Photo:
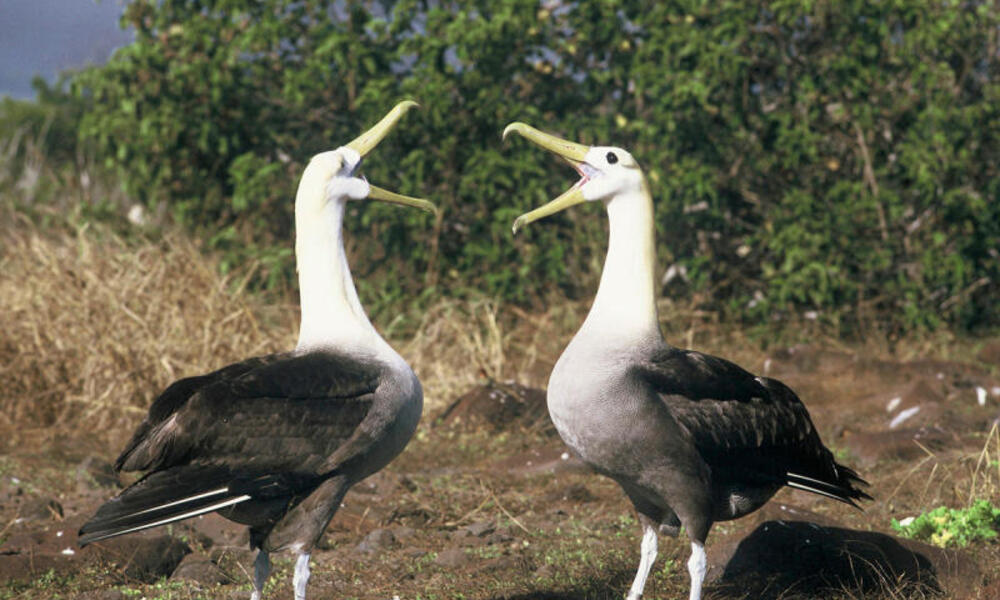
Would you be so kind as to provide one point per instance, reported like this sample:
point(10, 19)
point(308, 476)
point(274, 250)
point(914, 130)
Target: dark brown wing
point(268, 429)
point(746, 428)
point(277, 410)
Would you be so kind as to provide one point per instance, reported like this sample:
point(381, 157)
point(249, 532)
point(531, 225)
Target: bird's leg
point(301, 577)
point(697, 565)
point(261, 569)
point(647, 556)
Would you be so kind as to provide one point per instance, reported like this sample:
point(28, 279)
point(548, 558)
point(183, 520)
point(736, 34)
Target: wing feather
point(279, 410)
point(746, 426)
point(265, 430)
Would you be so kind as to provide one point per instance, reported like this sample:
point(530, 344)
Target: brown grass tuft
point(95, 326)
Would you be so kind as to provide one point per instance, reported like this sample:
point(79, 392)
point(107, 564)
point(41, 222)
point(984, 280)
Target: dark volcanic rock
point(783, 557)
point(499, 406)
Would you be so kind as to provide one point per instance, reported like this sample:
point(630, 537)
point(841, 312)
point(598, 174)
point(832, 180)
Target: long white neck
point(624, 309)
point(332, 316)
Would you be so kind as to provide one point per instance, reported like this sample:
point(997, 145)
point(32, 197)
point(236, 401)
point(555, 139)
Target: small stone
point(378, 539)
point(452, 558)
point(480, 528)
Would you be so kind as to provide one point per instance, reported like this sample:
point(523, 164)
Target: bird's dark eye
point(612, 158)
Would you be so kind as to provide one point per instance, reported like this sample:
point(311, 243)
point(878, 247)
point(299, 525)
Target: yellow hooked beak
point(572, 152)
point(364, 143)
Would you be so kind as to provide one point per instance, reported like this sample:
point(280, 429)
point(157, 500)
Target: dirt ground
point(486, 503)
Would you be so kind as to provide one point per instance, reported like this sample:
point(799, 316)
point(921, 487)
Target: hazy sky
point(45, 37)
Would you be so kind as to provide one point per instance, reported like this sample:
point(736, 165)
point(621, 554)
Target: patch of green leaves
point(945, 526)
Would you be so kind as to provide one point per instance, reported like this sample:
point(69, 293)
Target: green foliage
point(945, 526)
point(830, 157)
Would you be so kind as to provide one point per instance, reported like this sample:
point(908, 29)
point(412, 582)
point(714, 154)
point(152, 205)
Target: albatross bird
point(274, 442)
point(692, 439)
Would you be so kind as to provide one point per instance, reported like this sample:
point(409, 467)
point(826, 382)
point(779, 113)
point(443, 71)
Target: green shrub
point(838, 158)
point(945, 526)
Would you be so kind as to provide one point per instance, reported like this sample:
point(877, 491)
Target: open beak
point(572, 152)
point(364, 143)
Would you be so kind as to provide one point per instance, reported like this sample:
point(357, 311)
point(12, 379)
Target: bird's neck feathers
point(332, 315)
point(625, 306)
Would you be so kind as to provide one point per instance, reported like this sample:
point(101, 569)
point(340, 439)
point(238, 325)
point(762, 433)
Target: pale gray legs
point(301, 577)
point(697, 565)
point(261, 569)
point(647, 557)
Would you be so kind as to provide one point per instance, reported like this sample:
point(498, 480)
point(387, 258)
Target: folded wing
point(264, 431)
point(746, 428)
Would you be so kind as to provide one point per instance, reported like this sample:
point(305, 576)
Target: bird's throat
point(625, 305)
point(332, 315)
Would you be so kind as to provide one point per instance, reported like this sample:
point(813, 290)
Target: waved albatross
point(274, 442)
point(691, 438)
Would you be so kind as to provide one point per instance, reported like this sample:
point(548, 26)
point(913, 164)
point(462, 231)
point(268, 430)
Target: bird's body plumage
point(274, 442)
point(691, 438)
point(677, 426)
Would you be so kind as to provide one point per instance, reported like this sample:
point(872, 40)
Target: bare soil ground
point(486, 503)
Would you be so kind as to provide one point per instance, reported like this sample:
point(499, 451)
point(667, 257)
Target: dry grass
point(94, 326)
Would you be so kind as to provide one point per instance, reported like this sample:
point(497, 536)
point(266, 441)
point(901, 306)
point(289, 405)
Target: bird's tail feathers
point(161, 498)
point(845, 489)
